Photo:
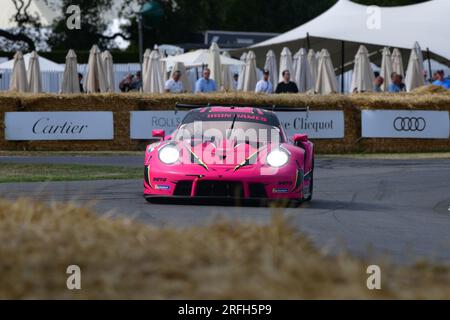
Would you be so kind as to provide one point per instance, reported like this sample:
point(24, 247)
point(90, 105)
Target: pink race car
point(230, 152)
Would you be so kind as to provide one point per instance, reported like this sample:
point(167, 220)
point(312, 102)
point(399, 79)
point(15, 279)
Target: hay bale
point(122, 259)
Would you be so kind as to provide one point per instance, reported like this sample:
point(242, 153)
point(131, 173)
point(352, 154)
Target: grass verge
point(63, 172)
point(121, 259)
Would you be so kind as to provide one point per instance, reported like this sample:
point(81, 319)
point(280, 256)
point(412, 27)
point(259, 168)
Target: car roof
point(223, 113)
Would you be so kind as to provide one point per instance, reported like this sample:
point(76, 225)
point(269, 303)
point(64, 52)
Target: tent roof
point(200, 57)
point(347, 21)
point(45, 64)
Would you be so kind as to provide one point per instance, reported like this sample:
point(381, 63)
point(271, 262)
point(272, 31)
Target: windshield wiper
point(232, 126)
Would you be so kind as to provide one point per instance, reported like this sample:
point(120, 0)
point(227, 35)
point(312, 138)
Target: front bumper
point(223, 185)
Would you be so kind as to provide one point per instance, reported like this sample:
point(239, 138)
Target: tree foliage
point(181, 19)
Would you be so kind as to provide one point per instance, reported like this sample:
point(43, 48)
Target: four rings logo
point(410, 124)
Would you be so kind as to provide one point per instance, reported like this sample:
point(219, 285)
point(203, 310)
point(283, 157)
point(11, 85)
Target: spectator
point(205, 84)
point(126, 84)
point(287, 86)
point(174, 85)
point(264, 85)
point(441, 80)
point(80, 79)
point(396, 85)
point(378, 82)
point(136, 84)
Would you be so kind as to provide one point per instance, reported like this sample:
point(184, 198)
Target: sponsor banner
point(405, 124)
point(316, 124)
point(26, 126)
point(143, 122)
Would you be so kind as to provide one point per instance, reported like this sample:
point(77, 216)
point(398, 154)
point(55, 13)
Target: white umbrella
point(251, 74)
point(240, 85)
point(326, 82)
point(154, 72)
point(227, 75)
point(286, 62)
point(95, 78)
point(386, 69)
point(313, 64)
point(145, 71)
point(214, 64)
point(34, 74)
point(294, 61)
point(18, 81)
point(179, 66)
point(271, 66)
point(414, 74)
point(363, 77)
point(108, 67)
point(303, 76)
point(397, 63)
point(71, 82)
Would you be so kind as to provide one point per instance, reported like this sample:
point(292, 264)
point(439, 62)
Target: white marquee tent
point(45, 64)
point(347, 25)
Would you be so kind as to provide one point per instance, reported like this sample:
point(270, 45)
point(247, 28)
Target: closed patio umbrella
point(227, 75)
point(108, 68)
point(303, 76)
point(386, 69)
point(363, 77)
point(240, 86)
point(313, 64)
point(251, 75)
point(95, 78)
point(34, 74)
point(415, 73)
point(154, 72)
point(215, 65)
point(18, 81)
point(71, 82)
point(397, 63)
point(145, 71)
point(286, 62)
point(271, 66)
point(326, 82)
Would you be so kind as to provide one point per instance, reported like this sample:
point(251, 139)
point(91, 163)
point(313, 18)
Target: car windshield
point(234, 129)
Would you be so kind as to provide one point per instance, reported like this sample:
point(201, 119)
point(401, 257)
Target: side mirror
point(300, 138)
point(159, 134)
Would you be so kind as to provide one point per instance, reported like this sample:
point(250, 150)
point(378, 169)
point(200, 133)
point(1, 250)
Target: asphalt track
point(399, 209)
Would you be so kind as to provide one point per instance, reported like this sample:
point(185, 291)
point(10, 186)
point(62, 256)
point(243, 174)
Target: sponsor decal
point(280, 190)
point(162, 187)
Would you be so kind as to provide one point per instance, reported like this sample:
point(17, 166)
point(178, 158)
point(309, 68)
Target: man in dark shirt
point(287, 86)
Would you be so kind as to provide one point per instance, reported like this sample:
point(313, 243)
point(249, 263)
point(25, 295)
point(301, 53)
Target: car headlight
point(277, 158)
point(169, 154)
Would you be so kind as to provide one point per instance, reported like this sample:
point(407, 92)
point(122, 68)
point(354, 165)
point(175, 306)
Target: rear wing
point(274, 108)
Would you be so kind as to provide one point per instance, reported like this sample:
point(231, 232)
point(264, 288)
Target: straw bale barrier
point(428, 98)
point(123, 259)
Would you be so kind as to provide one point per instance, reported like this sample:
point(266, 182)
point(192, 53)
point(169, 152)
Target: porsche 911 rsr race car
point(227, 152)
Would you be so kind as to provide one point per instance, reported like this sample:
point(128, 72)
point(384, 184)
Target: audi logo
point(410, 124)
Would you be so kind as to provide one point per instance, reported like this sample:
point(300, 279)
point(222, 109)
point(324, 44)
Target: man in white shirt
point(174, 85)
point(264, 85)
